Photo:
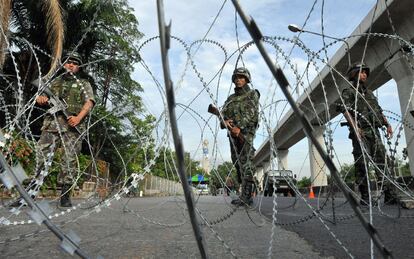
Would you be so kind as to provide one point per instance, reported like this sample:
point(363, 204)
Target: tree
point(218, 176)
point(405, 170)
point(112, 40)
point(165, 164)
point(192, 166)
point(304, 182)
point(40, 22)
point(348, 172)
point(106, 34)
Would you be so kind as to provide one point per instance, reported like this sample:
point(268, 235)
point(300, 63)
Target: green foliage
point(218, 177)
point(58, 162)
point(112, 40)
point(120, 126)
point(348, 173)
point(404, 170)
point(192, 167)
point(304, 182)
point(54, 170)
point(84, 163)
point(21, 150)
point(166, 165)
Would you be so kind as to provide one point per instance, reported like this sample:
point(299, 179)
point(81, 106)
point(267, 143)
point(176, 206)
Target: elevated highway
point(382, 55)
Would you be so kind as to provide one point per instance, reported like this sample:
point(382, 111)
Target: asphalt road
point(159, 228)
point(395, 226)
point(154, 228)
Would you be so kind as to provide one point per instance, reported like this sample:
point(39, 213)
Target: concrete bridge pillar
point(317, 165)
point(259, 176)
point(399, 67)
point(282, 158)
point(266, 167)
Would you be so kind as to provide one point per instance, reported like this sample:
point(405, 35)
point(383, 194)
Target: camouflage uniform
point(369, 119)
point(56, 132)
point(243, 108)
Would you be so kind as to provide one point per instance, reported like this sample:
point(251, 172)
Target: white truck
point(282, 180)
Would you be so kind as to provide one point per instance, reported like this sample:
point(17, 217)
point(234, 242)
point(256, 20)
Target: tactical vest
point(239, 107)
point(70, 90)
point(367, 107)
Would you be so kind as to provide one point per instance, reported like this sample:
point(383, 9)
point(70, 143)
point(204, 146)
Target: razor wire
point(187, 109)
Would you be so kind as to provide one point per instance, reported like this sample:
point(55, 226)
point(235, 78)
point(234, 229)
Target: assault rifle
point(213, 110)
point(56, 104)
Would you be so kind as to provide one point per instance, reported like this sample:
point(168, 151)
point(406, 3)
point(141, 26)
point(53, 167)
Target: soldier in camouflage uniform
point(241, 116)
point(364, 123)
point(57, 130)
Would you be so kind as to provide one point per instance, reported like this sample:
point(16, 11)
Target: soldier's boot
point(246, 195)
point(19, 202)
point(65, 198)
point(390, 197)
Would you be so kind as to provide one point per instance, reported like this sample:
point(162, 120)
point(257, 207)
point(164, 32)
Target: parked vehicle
point(202, 189)
point(220, 191)
point(283, 180)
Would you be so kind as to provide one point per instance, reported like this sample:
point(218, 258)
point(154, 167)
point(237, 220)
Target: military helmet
point(355, 68)
point(73, 55)
point(243, 72)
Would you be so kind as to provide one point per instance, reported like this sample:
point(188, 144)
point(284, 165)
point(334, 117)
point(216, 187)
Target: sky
point(191, 20)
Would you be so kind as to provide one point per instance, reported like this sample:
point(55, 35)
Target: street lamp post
point(295, 28)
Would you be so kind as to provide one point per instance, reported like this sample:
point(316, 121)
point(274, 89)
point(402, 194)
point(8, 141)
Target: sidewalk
point(159, 228)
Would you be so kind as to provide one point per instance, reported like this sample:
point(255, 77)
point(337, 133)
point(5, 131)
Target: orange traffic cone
point(311, 194)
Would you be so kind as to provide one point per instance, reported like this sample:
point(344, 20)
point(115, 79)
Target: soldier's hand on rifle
point(389, 131)
point(229, 124)
point(235, 132)
point(73, 121)
point(42, 100)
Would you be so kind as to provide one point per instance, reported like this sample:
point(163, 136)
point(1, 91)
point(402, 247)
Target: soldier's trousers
point(70, 144)
point(242, 158)
point(375, 149)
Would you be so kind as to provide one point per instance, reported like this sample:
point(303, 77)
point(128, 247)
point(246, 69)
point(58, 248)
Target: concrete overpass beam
point(400, 68)
point(317, 165)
